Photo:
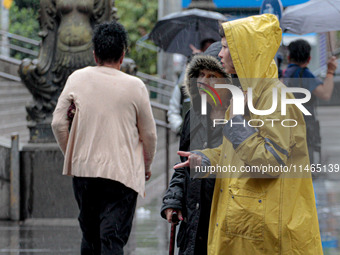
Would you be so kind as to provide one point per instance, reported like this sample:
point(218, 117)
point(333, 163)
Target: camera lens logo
point(204, 96)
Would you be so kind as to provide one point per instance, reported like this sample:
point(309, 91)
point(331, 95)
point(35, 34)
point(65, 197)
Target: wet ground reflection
point(150, 234)
point(327, 194)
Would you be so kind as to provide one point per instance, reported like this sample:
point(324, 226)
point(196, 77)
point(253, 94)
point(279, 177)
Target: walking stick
point(174, 219)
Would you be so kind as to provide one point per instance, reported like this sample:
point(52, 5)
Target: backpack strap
point(300, 75)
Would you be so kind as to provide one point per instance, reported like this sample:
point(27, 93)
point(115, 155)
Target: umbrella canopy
point(315, 16)
point(174, 32)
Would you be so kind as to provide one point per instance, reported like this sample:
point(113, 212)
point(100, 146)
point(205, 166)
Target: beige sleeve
point(60, 122)
point(146, 128)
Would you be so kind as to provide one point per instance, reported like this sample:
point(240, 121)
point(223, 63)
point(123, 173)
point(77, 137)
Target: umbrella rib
point(335, 7)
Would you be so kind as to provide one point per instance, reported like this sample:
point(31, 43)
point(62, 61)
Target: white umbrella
point(315, 16)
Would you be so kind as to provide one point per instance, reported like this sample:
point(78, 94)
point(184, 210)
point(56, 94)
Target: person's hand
point(168, 213)
point(147, 175)
point(332, 65)
point(193, 160)
point(194, 49)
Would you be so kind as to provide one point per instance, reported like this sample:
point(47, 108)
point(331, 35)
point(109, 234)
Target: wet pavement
point(60, 238)
point(150, 234)
point(327, 186)
point(328, 207)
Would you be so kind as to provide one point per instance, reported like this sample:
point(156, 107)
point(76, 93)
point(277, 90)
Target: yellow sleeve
point(213, 154)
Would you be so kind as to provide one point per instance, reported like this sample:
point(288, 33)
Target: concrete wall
point(45, 192)
point(4, 179)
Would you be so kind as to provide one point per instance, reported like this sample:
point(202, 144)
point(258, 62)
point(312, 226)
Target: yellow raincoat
point(262, 215)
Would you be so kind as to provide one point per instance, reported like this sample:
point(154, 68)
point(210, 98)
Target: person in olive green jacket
point(260, 212)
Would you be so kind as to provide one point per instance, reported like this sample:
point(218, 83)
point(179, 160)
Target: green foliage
point(24, 22)
point(33, 4)
point(139, 17)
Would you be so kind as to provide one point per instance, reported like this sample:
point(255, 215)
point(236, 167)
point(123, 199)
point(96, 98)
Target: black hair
point(299, 51)
point(109, 41)
point(206, 43)
point(221, 31)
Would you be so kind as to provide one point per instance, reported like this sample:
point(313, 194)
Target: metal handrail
point(141, 42)
point(9, 76)
point(23, 50)
point(166, 125)
point(20, 38)
point(159, 91)
point(156, 79)
point(10, 60)
point(160, 106)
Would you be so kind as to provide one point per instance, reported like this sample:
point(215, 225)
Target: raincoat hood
point(253, 43)
point(208, 60)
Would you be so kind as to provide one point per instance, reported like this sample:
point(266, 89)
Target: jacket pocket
point(245, 213)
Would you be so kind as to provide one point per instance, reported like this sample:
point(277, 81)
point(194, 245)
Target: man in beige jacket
point(111, 143)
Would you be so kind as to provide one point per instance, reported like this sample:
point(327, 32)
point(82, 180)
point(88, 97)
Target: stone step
point(13, 87)
point(14, 103)
point(17, 127)
point(9, 65)
point(23, 135)
point(13, 98)
point(5, 84)
point(13, 93)
point(5, 112)
point(15, 116)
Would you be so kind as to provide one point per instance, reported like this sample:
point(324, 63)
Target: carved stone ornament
point(66, 31)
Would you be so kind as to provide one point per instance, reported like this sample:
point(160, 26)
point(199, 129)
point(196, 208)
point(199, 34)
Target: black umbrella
point(176, 31)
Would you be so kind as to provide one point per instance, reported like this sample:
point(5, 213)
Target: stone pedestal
point(41, 132)
point(45, 192)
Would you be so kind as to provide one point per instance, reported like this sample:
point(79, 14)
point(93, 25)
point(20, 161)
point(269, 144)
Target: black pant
point(106, 213)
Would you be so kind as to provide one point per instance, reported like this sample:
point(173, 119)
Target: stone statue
point(66, 32)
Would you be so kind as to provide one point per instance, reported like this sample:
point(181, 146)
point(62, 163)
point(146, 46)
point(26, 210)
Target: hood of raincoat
point(208, 60)
point(253, 43)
